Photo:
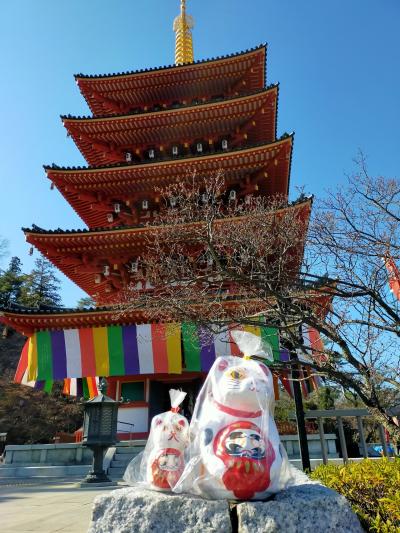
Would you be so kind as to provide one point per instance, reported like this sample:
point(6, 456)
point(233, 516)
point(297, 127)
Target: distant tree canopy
point(27, 415)
point(85, 303)
point(39, 287)
point(3, 248)
point(11, 281)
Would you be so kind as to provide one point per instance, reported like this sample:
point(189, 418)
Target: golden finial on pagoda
point(183, 25)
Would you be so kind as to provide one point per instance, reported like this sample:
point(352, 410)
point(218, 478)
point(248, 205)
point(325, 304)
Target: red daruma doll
point(161, 464)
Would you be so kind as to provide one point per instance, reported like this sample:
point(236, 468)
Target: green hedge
point(373, 489)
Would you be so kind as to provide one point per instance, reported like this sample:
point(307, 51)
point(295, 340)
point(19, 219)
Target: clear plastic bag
point(235, 450)
point(252, 345)
point(161, 463)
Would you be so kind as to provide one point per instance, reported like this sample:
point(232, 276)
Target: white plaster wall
point(134, 415)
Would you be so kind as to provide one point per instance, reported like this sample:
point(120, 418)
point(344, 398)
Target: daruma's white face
point(241, 384)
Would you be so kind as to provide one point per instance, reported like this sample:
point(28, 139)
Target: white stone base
point(138, 510)
point(305, 506)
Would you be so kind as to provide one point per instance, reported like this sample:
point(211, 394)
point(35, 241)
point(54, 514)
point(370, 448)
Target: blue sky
point(337, 63)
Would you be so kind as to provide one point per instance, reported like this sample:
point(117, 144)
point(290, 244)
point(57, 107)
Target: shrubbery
point(373, 489)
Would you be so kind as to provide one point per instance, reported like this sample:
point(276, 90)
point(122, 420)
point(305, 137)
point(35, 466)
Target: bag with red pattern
point(161, 464)
point(235, 450)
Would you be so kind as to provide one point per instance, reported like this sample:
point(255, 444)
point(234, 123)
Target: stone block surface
point(306, 507)
point(136, 510)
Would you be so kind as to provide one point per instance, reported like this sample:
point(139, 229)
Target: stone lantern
point(99, 431)
point(3, 438)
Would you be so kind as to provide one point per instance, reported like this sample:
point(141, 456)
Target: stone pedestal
point(310, 507)
point(304, 506)
point(136, 510)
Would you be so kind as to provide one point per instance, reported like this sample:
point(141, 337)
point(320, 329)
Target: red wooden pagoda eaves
point(242, 120)
point(93, 192)
point(100, 261)
point(230, 75)
point(27, 321)
point(151, 129)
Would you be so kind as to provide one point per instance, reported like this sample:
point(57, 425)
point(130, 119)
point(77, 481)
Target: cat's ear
point(222, 364)
point(265, 369)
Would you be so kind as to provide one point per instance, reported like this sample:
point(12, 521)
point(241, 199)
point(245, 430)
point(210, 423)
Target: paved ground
point(46, 507)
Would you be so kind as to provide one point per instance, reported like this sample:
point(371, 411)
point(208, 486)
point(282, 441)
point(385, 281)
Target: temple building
point(147, 129)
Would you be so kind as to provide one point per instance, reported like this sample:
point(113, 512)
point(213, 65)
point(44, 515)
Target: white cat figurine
point(169, 437)
point(235, 450)
point(161, 463)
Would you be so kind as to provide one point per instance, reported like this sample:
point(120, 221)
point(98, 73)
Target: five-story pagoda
point(148, 129)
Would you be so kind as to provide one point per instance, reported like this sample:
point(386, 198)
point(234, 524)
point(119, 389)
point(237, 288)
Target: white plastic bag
point(161, 463)
point(235, 450)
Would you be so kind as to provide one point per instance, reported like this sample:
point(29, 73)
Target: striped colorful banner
point(86, 388)
point(80, 387)
point(201, 346)
point(70, 355)
point(105, 351)
point(22, 374)
point(75, 356)
point(268, 335)
point(132, 350)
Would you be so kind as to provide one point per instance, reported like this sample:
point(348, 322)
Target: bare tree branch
point(220, 260)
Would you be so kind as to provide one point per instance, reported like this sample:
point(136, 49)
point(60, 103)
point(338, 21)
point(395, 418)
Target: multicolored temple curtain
point(77, 355)
point(81, 387)
point(105, 351)
point(22, 375)
point(201, 346)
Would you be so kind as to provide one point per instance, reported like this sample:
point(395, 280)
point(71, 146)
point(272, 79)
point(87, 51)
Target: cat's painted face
point(241, 384)
point(170, 430)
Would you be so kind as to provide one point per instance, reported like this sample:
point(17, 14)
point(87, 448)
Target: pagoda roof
point(81, 186)
point(104, 140)
point(82, 254)
point(113, 93)
point(27, 320)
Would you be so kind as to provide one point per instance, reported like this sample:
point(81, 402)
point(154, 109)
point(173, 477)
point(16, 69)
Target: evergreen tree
point(3, 247)
point(86, 302)
point(11, 282)
point(41, 286)
point(327, 398)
